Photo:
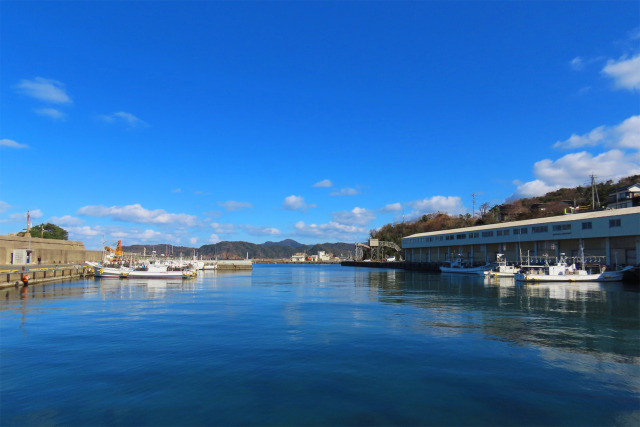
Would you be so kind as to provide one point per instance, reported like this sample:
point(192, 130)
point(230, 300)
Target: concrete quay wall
point(36, 276)
point(235, 264)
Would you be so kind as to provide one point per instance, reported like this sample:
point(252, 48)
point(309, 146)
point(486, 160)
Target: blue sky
point(194, 122)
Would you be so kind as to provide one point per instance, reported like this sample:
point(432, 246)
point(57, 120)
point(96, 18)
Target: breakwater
point(234, 264)
point(16, 277)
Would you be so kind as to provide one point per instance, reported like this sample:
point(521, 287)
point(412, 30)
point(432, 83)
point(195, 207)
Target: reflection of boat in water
point(564, 272)
point(458, 266)
point(501, 268)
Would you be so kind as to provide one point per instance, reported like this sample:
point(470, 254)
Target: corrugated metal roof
point(547, 220)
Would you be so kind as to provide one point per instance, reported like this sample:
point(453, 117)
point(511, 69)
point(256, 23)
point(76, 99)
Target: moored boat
point(108, 272)
point(458, 266)
point(564, 272)
point(158, 271)
point(501, 268)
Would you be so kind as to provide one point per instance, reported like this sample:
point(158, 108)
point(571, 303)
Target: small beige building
point(298, 257)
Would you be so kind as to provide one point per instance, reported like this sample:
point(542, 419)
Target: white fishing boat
point(108, 272)
point(565, 272)
point(159, 271)
point(501, 268)
point(458, 266)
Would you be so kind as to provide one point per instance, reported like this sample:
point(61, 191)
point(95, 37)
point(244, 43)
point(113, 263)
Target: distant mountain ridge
point(286, 242)
point(240, 250)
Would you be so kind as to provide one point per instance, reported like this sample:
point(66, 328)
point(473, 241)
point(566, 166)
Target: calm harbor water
point(319, 345)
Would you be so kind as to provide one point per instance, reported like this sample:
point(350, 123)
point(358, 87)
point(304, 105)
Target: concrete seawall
point(234, 264)
point(43, 275)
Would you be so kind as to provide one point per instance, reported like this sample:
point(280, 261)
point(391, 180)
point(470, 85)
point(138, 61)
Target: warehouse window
point(587, 225)
point(562, 227)
point(615, 223)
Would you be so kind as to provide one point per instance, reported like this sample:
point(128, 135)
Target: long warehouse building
point(613, 234)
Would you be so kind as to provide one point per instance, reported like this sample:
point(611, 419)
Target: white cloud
point(345, 192)
point(261, 231)
point(136, 213)
point(35, 214)
point(296, 203)
point(81, 232)
point(148, 235)
point(232, 205)
point(332, 230)
point(573, 170)
point(393, 207)
point(625, 72)
point(4, 206)
point(12, 144)
point(66, 220)
point(50, 112)
point(577, 63)
point(177, 190)
point(627, 133)
point(223, 228)
point(323, 183)
point(357, 216)
point(623, 135)
point(214, 238)
point(450, 204)
point(121, 117)
point(44, 90)
point(193, 240)
point(592, 138)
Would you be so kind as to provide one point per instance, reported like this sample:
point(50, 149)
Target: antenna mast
point(594, 194)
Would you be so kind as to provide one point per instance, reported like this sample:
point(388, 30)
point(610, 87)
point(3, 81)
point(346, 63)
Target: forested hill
point(240, 250)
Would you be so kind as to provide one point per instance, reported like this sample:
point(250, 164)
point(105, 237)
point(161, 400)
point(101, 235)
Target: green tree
point(49, 231)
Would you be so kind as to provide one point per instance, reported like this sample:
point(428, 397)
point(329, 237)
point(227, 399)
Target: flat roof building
point(613, 234)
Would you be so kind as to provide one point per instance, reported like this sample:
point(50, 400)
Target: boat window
point(615, 223)
point(587, 225)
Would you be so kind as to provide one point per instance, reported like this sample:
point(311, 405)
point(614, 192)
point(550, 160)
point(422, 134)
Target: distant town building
point(624, 197)
point(298, 257)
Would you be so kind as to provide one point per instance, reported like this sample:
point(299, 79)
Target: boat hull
point(462, 270)
point(608, 276)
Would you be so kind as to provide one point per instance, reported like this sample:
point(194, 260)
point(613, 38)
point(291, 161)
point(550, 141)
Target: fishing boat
point(108, 272)
point(158, 271)
point(458, 266)
point(562, 271)
point(501, 268)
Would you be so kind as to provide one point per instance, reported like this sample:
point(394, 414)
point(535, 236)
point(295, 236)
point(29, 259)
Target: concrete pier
point(14, 276)
point(234, 264)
